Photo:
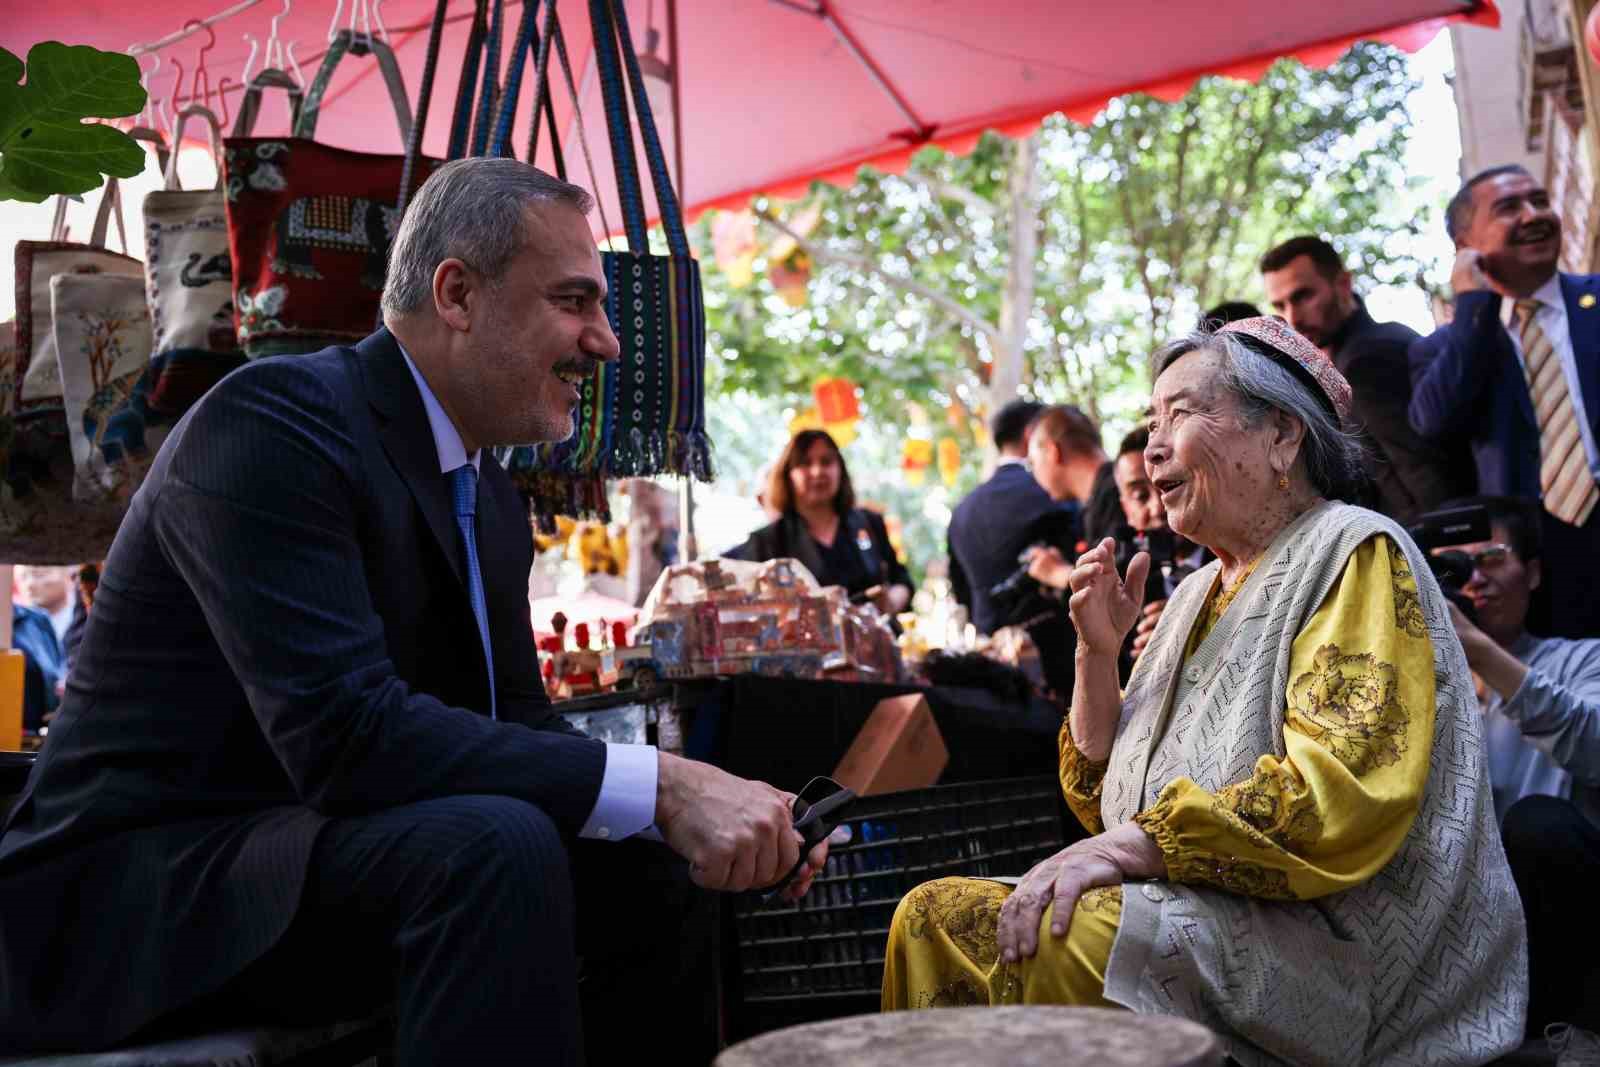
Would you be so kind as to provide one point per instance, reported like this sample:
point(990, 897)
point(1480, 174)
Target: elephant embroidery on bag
point(341, 224)
point(198, 275)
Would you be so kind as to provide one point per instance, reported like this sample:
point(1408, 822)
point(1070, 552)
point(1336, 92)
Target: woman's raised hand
point(1105, 607)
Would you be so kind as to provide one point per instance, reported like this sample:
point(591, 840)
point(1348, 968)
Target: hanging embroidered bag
point(644, 414)
point(103, 339)
point(188, 282)
point(39, 522)
point(309, 225)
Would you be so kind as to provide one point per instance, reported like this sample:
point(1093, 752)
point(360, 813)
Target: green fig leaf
point(45, 146)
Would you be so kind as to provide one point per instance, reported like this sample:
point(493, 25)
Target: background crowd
point(1499, 408)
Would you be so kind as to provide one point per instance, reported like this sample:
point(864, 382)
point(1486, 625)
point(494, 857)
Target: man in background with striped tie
point(1516, 377)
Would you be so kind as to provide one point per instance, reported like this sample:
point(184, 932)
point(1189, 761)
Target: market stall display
point(732, 617)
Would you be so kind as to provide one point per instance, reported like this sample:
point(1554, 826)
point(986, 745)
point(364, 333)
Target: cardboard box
point(11, 672)
point(899, 747)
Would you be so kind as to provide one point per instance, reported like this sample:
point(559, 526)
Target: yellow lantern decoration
point(789, 277)
point(949, 460)
point(733, 240)
point(809, 419)
point(836, 400)
point(916, 455)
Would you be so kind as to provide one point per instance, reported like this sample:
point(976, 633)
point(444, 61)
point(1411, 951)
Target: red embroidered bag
point(309, 225)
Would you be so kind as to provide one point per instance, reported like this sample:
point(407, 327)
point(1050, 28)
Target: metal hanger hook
point(249, 64)
point(202, 76)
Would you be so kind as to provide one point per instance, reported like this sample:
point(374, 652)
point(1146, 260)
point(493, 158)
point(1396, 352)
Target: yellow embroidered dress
point(1325, 816)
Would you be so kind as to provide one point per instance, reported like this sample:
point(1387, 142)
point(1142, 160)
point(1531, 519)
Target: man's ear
point(1535, 572)
point(454, 291)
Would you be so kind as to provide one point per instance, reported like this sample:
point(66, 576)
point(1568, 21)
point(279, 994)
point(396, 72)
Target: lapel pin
point(1586, 301)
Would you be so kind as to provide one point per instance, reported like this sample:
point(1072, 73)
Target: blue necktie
point(464, 487)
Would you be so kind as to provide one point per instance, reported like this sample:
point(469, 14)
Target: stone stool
point(978, 1037)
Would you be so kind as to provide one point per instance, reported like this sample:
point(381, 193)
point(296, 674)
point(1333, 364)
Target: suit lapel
point(408, 439)
point(1583, 328)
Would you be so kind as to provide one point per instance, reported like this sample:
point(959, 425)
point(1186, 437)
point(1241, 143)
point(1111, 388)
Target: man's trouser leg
point(1555, 857)
point(459, 911)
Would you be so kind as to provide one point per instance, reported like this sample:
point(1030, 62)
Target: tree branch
point(949, 306)
point(943, 190)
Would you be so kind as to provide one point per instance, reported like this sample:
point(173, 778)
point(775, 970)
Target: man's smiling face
point(538, 332)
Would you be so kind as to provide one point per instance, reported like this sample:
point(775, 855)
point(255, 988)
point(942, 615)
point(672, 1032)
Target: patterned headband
point(1309, 362)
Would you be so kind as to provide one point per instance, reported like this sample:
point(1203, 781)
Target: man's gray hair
point(472, 210)
point(1335, 457)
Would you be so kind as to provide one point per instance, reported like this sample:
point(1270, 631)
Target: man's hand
point(1110, 858)
point(1047, 566)
point(735, 833)
point(1148, 617)
point(1473, 640)
point(801, 885)
point(1468, 275)
point(1499, 669)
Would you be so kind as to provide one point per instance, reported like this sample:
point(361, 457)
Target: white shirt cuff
point(627, 801)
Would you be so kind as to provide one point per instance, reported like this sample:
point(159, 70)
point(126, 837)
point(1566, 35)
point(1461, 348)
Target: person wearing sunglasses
point(1541, 705)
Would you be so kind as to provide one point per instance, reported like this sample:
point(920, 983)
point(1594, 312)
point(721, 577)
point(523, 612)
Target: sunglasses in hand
point(818, 809)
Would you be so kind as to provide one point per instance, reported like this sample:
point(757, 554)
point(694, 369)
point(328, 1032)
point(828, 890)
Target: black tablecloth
point(786, 731)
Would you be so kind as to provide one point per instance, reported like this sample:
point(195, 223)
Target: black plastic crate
point(832, 943)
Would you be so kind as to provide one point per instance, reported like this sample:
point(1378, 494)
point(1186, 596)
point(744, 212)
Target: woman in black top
point(839, 543)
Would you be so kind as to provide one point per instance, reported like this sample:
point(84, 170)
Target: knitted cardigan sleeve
point(1357, 732)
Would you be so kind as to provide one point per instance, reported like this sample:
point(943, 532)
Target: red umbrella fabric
point(776, 93)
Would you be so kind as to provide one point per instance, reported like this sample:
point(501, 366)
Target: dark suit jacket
point(990, 528)
point(788, 537)
point(281, 637)
point(1411, 476)
point(1469, 391)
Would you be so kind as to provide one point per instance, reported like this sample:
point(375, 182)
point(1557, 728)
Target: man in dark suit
point(305, 765)
point(1308, 286)
point(1515, 378)
point(990, 529)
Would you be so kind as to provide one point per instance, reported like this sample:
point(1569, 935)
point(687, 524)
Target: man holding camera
point(992, 527)
point(1541, 700)
point(1515, 376)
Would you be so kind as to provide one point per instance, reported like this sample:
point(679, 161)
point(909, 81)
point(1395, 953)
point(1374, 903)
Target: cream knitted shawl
point(1425, 963)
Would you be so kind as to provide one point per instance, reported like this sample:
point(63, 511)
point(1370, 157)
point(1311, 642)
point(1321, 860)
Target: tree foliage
point(1144, 218)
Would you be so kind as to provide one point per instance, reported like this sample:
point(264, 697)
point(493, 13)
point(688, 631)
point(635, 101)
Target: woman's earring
point(1283, 482)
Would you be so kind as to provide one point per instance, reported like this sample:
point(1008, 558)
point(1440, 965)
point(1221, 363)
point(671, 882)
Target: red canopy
point(776, 93)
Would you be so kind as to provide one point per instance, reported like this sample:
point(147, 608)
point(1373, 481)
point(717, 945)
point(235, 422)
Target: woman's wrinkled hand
point(1104, 607)
point(1110, 858)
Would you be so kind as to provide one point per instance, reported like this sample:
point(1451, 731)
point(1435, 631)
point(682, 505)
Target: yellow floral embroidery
point(1232, 874)
point(1407, 603)
point(966, 910)
point(1081, 782)
point(962, 991)
point(1102, 900)
point(1224, 872)
point(1350, 705)
point(1277, 804)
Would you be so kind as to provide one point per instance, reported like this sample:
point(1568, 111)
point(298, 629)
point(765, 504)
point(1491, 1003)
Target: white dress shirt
point(1552, 319)
point(61, 620)
point(627, 801)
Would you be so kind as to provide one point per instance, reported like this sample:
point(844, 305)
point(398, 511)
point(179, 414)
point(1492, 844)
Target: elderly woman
point(1294, 842)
